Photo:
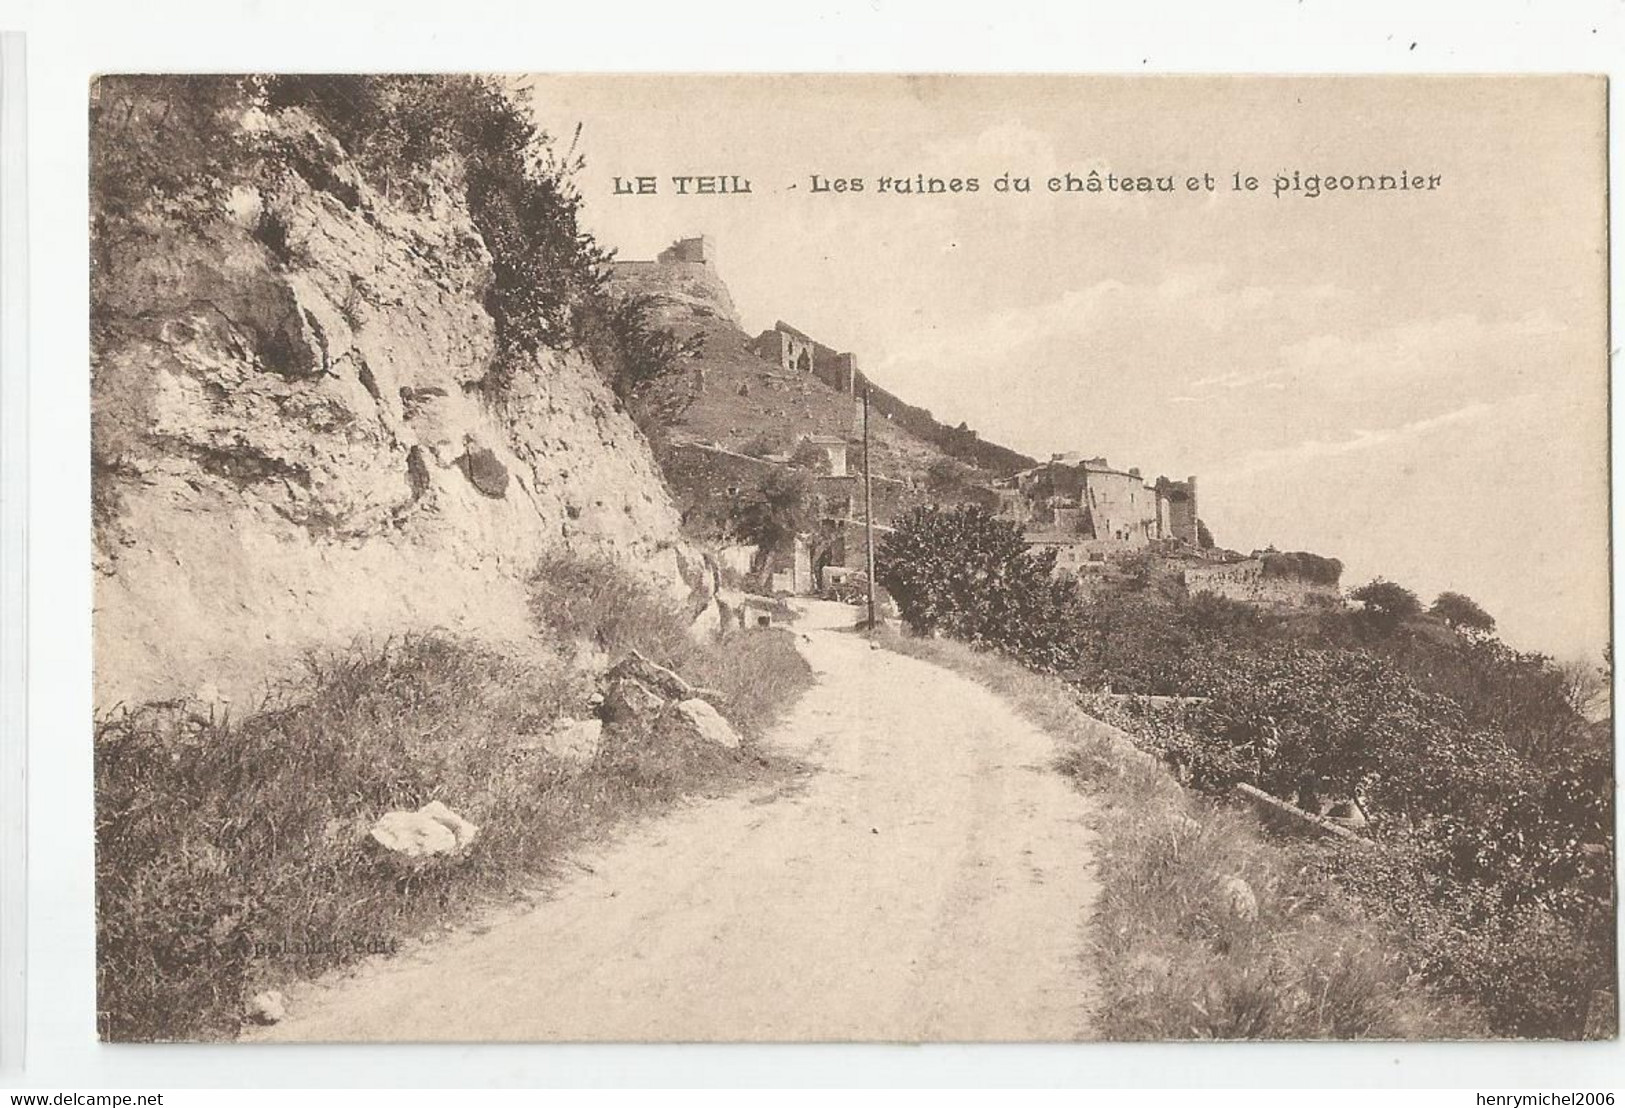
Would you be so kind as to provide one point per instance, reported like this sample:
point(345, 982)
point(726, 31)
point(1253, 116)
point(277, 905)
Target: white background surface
point(69, 42)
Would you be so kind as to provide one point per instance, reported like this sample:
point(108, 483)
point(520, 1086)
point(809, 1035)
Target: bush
point(969, 575)
point(1303, 566)
point(810, 457)
point(1532, 972)
point(1176, 960)
point(590, 598)
point(770, 514)
point(765, 443)
point(1461, 613)
point(1387, 604)
point(1475, 763)
point(233, 852)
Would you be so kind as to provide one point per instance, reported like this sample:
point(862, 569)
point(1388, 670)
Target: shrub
point(591, 598)
point(765, 443)
point(969, 575)
point(1175, 959)
point(1304, 566)
point(777, 508)
point(233, 851)
point(1461, 613)
point(810, 457)
point(1385, 603)
point(1531, 971)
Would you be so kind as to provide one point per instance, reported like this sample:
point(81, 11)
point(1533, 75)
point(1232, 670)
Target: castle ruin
point(794, 352)
point(1086, 509)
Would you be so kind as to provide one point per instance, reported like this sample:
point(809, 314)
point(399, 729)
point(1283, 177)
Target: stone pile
point(640, 693)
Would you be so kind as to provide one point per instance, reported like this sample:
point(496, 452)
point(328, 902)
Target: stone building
point(834, 450)
point(795, 352)
point(1087, 509)
point(692, 250)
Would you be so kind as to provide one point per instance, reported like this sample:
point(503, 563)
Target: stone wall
point(707, 481)
point(1247, 581)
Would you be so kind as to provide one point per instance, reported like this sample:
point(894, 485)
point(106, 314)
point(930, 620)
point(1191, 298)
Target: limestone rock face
point(431, 831)
point(699, 719)
point(295, 442)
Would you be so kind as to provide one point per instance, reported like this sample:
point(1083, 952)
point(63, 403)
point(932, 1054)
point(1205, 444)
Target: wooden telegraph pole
point(868, 513)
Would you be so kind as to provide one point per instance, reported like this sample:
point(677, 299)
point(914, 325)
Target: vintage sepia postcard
point(851, 558)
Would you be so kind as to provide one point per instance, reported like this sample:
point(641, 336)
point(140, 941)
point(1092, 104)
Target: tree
point(1387, 603)
point(1461, 613)
point(776, 510)
point(946, 475)
point(965, 573)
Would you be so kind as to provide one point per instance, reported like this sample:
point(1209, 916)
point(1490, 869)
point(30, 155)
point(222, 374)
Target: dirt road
point(929, 879)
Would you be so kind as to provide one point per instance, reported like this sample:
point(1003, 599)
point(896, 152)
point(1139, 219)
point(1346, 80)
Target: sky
point(1414, 381)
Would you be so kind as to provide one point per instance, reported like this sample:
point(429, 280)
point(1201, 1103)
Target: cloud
point(1361, 439)
point(1458, 343)
point(1114, 317)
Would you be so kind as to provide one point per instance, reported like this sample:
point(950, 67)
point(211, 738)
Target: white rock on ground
point(771, 914)
point(432, 830)
point(575, 740)
point(1239, 897)
point(705, 722)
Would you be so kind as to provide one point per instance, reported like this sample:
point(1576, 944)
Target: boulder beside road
point(434, 830)
point(700, 720)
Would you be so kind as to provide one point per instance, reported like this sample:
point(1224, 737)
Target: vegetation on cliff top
point(165, 151)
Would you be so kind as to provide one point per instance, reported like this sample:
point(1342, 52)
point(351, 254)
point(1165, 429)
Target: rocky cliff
point(295, 443)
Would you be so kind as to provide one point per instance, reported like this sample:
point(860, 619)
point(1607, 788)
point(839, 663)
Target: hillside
point(736, 398)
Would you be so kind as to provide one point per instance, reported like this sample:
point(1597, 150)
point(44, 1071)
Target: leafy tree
point(776, 510)
point(1386, 603)
point(1304, 566)
point(945, 475)
point(967, 574)
point(1461, 613)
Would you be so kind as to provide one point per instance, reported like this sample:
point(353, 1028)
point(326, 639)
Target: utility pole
point(868, 513)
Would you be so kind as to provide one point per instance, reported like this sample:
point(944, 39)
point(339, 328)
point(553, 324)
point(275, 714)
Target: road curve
point(928, 880)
